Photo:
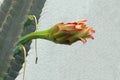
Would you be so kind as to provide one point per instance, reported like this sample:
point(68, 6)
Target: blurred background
point(98, 59)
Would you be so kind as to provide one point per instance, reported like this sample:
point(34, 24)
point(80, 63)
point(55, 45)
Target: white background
point(98, 59)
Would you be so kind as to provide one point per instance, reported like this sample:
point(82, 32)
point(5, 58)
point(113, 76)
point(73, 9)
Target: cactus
point(12, 28)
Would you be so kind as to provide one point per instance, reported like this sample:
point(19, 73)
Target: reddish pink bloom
point(71, 32)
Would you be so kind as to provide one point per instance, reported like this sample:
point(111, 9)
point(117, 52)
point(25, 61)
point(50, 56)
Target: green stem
point(34, 35)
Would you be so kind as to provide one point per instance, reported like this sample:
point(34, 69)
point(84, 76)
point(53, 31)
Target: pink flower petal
point(83, 41)
point(92, 37)
point(82, 21)
point(78, 27)
point(73, 27)
point(72, 23)
point(91, 31)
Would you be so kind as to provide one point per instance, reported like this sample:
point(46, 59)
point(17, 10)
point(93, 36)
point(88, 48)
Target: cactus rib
point(12, 28)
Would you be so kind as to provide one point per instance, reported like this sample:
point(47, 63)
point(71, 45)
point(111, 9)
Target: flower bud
point(63, 33)
point(70, 32)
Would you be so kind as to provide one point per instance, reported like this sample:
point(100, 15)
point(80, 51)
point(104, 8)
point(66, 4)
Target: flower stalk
point(34, 35)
